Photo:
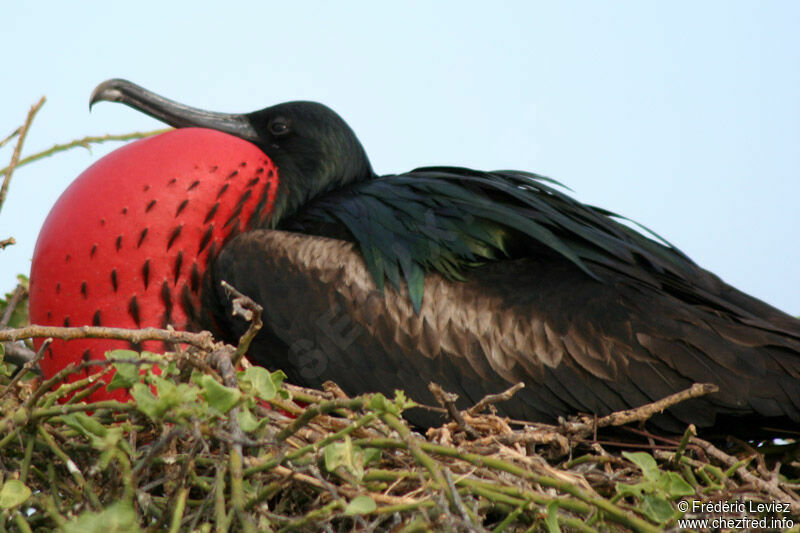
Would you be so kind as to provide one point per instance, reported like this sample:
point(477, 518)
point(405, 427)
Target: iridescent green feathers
point(452, 219)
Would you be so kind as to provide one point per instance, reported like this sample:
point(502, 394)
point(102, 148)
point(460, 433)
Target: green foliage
point(657, 489)
point(194, 452)
point(349, 457)
point(13, 493)
point(119, 517)
point(360, 505)
point(378, 402)
point(258, 381)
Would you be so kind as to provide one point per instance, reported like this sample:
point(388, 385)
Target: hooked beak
point(171, 112)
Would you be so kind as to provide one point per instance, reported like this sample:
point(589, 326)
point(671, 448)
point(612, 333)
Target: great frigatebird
point(474, 280)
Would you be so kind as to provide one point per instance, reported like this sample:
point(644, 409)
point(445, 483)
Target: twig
point(9, 137)
point(202, 340)
point(312, 412)
point(84, 143)
point(644, 412)
point(157, 447)
point(7, 242)
point(495, 398)
point(556, 440)
point(223, 360)
point(27, 366)
point(618, 514)
point(23, 132)
point(71, 467)
point(458, 503)
point(19, 293)
point(177, 513)
point(448, 401)
point(746, 476)
point(17, 354)
point(423, 459)
point(245, 307)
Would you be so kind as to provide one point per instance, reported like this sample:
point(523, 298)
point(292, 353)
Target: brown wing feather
point(578, 344)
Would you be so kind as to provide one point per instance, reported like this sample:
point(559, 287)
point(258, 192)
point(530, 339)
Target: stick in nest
point(643, 412)
point(448, 401)
point(202, 340)
point(27, 366)
point(246, 308)
point(495, 398)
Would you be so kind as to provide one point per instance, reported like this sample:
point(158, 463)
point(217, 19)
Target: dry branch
point(202, 340)
point(23, 132)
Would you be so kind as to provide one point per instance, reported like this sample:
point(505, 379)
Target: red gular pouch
point(129, 242)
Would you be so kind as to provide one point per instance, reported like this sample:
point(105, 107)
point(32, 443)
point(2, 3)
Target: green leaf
point(378, 403)
point(360, 505)
point(248, 421)
point(173, 394)
point(674, 485)
point(646, 463)
point(145, 400)
point(372, 456)
point(169, 397)
point(117, 518)
point(13, 493)
point(123, 353)
point(126, 373)
point(344, 455)
point(259, 380)
point(402, 402)
point(338, 454)
point(218, 395)
point(657, 508)
point(277, 378)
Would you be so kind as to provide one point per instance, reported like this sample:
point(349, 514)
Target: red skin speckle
point(132, 193)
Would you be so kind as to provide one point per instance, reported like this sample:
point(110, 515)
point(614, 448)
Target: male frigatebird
point(473, 280)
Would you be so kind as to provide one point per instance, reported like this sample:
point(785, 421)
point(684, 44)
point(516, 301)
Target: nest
point(209, 442)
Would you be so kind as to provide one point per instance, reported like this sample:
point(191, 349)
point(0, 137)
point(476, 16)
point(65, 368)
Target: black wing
point(450, 220)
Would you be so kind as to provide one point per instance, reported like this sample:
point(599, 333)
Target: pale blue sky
point(684, 116)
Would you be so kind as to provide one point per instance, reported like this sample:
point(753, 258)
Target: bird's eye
point(279, 126)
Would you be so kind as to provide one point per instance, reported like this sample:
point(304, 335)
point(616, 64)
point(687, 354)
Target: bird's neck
point(298, 187)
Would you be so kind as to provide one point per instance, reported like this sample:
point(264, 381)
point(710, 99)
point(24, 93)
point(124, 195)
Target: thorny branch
point(23, 132)
point(85, 142)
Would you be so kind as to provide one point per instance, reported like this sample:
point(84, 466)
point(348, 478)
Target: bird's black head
point(313, 147)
